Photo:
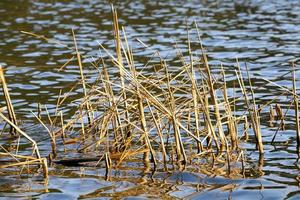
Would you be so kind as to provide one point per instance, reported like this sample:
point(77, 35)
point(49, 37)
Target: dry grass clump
point(170, 117)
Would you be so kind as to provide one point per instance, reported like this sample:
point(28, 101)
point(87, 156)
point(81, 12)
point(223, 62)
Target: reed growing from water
point(9, 105)
point(296, 107)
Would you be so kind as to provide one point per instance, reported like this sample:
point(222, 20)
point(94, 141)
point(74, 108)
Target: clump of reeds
point(14, 159)
point(157, 117)
point(170, 117)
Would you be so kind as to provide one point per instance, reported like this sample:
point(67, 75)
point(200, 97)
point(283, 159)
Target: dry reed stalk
point(28, 162)
point(287, 90)
point(253, 114)
point(147, 142)
point(246, 127)
point(189, 118)
point(296, 107)
point(15, 157)
point(271, 116)
point(112, 100)
point(209, 133)
point(63, 134)
point(88, 107)
point(181, 156)
point(243, 163)
point(212, 94)
point(228, 159)
point(9, 105)
point(83, 135)
point(210, 128)
point(231, 122)
point(118, 44)
point(107, 165)
point(194, 92)
point(51, 134)
point(213, 98)
point(261, 164)
point(159, 132)
point(39, 110)
point(57, 102)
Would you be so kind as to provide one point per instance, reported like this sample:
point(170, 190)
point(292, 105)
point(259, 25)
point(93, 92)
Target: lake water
point(266, 34)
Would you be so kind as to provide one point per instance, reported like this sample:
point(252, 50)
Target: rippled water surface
point(264, 33)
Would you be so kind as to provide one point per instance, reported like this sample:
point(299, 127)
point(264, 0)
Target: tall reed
point(9, 105)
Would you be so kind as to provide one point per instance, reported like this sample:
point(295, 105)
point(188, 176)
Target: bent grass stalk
point(35, 149)
point(12, 121)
